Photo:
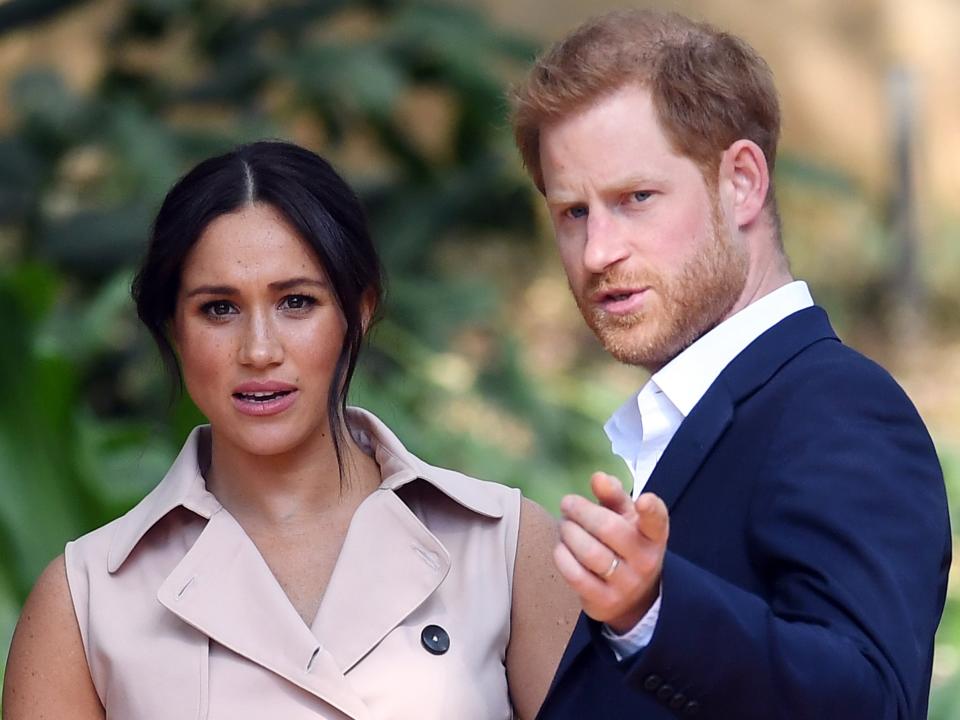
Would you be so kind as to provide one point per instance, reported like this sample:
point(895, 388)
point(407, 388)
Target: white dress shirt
point(643, 426)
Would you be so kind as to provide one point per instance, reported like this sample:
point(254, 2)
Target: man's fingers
point(610, 493)
point(586, 549)
point(612, 562)
point(607, 526)
point(582, 581)
point(653, 520)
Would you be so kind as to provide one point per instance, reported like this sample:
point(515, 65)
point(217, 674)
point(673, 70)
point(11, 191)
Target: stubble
point(684, 305)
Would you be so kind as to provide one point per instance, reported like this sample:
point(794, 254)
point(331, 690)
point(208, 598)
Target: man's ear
point(743, 169)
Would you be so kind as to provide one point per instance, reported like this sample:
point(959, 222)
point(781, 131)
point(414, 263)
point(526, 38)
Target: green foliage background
point(407, 98)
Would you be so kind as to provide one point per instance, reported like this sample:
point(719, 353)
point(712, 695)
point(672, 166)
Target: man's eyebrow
point(279, 285)
point(627, 183)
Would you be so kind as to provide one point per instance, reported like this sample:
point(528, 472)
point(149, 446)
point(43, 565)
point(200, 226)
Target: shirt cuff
point(637, 637)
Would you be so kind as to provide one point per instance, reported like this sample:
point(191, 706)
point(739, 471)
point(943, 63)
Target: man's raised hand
point(611, 552)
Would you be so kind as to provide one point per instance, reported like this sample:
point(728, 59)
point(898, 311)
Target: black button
point(435, 639)
point(677, 701)
point(652, 682)
point(665, 692)
point(691, 709)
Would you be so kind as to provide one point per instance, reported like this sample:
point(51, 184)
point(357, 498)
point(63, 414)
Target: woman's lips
point(263, 402)
point(622, 302)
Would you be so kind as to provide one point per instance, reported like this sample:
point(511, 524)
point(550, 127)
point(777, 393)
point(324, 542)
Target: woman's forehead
point(253, 244)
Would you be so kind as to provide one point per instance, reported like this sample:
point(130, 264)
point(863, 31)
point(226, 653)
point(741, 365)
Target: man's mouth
point(621, 301)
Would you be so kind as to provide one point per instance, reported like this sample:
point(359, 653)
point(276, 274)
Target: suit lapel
point(389, 565)
point(691, 444)
point(224, 588)
point(712, 415)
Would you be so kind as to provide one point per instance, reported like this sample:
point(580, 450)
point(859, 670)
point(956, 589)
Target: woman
point(296, 561)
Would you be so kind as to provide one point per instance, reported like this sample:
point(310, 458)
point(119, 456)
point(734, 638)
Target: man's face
point(645, 242)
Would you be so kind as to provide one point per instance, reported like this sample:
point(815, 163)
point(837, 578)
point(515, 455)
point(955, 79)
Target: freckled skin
point(261, 338)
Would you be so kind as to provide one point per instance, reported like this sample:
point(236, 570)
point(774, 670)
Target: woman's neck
point(284, 489)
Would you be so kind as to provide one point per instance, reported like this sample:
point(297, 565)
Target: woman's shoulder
point(47, 671)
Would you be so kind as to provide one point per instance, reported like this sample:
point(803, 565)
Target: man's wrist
point(635, 638)
point(625, 623)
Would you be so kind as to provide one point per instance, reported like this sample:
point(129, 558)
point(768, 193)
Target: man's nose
point(260, 346)
point(606, 243)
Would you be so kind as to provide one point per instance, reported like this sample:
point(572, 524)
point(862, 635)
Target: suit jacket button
point(665, 692)
point(677, 701)
point(435, 639)
point(652, 682)
point(691, 708)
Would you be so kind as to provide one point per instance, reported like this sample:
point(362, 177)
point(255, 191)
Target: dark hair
point(312, 197)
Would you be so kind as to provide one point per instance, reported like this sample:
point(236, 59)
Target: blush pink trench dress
point(181, 617)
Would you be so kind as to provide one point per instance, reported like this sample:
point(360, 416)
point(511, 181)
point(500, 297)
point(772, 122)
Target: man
point(788, 557)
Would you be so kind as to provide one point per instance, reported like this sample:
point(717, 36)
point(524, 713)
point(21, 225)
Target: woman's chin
point(267, 441)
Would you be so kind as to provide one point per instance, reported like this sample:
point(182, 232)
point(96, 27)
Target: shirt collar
point(686, 378)
point(184, 486)
point(625, 427)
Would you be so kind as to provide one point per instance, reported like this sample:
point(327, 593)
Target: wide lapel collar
point(183, 485)
point(390, 563)
point(398, 466)
point(750, 370)
point(224, 588)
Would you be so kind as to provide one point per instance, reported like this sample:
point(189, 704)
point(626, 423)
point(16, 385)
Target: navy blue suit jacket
point(809, 545)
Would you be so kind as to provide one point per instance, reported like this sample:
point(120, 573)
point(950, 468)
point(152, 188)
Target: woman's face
point(258, 331)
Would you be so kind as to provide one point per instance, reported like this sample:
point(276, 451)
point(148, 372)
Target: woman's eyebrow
point(212, 290)
point(279, 285)
point(293, 282)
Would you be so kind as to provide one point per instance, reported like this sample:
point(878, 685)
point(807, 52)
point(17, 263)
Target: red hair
point(709, 88)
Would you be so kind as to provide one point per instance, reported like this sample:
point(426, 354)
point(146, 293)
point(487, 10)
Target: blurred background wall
point(480, 361)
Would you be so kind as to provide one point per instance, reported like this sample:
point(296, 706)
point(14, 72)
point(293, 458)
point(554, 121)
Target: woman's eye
point(218, 308)
point(297, 302)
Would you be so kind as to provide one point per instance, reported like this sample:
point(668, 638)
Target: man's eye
point(641, 195)
point(297, 302)
point(577, 212)
point(218, 308)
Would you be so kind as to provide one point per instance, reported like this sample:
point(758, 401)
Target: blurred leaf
point(36, 475)
point(795, 169)
point(21, 172)
point(355, 78)
point(46, 104)
point(96, 243)
point(122, 460)
point(102, 324)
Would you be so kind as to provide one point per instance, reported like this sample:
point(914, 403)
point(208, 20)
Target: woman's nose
point(260, 346)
